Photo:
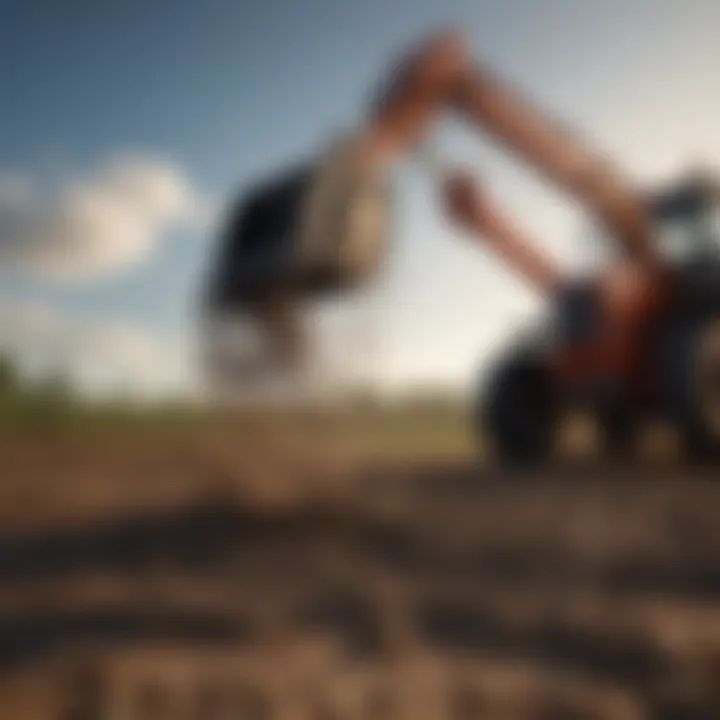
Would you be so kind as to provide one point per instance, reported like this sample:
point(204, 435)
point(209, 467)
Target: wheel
point(691, 385)
point(515, 409)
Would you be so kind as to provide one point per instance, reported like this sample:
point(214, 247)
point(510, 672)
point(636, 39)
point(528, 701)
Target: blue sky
point(210, 94)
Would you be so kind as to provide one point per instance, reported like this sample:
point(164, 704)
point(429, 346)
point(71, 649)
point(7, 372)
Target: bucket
point(315, 230)
point(318, 231)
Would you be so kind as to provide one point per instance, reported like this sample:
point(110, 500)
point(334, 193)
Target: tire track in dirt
point(591, 582)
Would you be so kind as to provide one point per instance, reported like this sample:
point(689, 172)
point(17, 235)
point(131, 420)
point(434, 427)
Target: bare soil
point(182, 580)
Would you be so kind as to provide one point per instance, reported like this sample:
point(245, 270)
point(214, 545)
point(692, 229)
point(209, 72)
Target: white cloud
point(112, 357)
point(109, 220)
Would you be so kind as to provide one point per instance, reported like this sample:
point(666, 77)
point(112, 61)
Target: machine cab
point(687, 218)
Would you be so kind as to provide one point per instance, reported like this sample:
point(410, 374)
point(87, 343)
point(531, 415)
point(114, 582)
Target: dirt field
point(178, 579)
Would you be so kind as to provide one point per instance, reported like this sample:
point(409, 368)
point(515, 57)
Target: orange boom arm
point(439, 75)
point(467, 205)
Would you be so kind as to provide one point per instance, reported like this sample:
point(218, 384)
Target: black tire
point(514, 410)
point(687, 400)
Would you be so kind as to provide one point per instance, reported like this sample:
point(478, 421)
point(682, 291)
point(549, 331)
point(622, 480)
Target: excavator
point(632, 348)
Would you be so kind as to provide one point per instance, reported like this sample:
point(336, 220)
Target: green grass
point(417, 428)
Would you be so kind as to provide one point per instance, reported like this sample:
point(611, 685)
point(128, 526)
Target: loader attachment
point(316, 229)
point(309, 233)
